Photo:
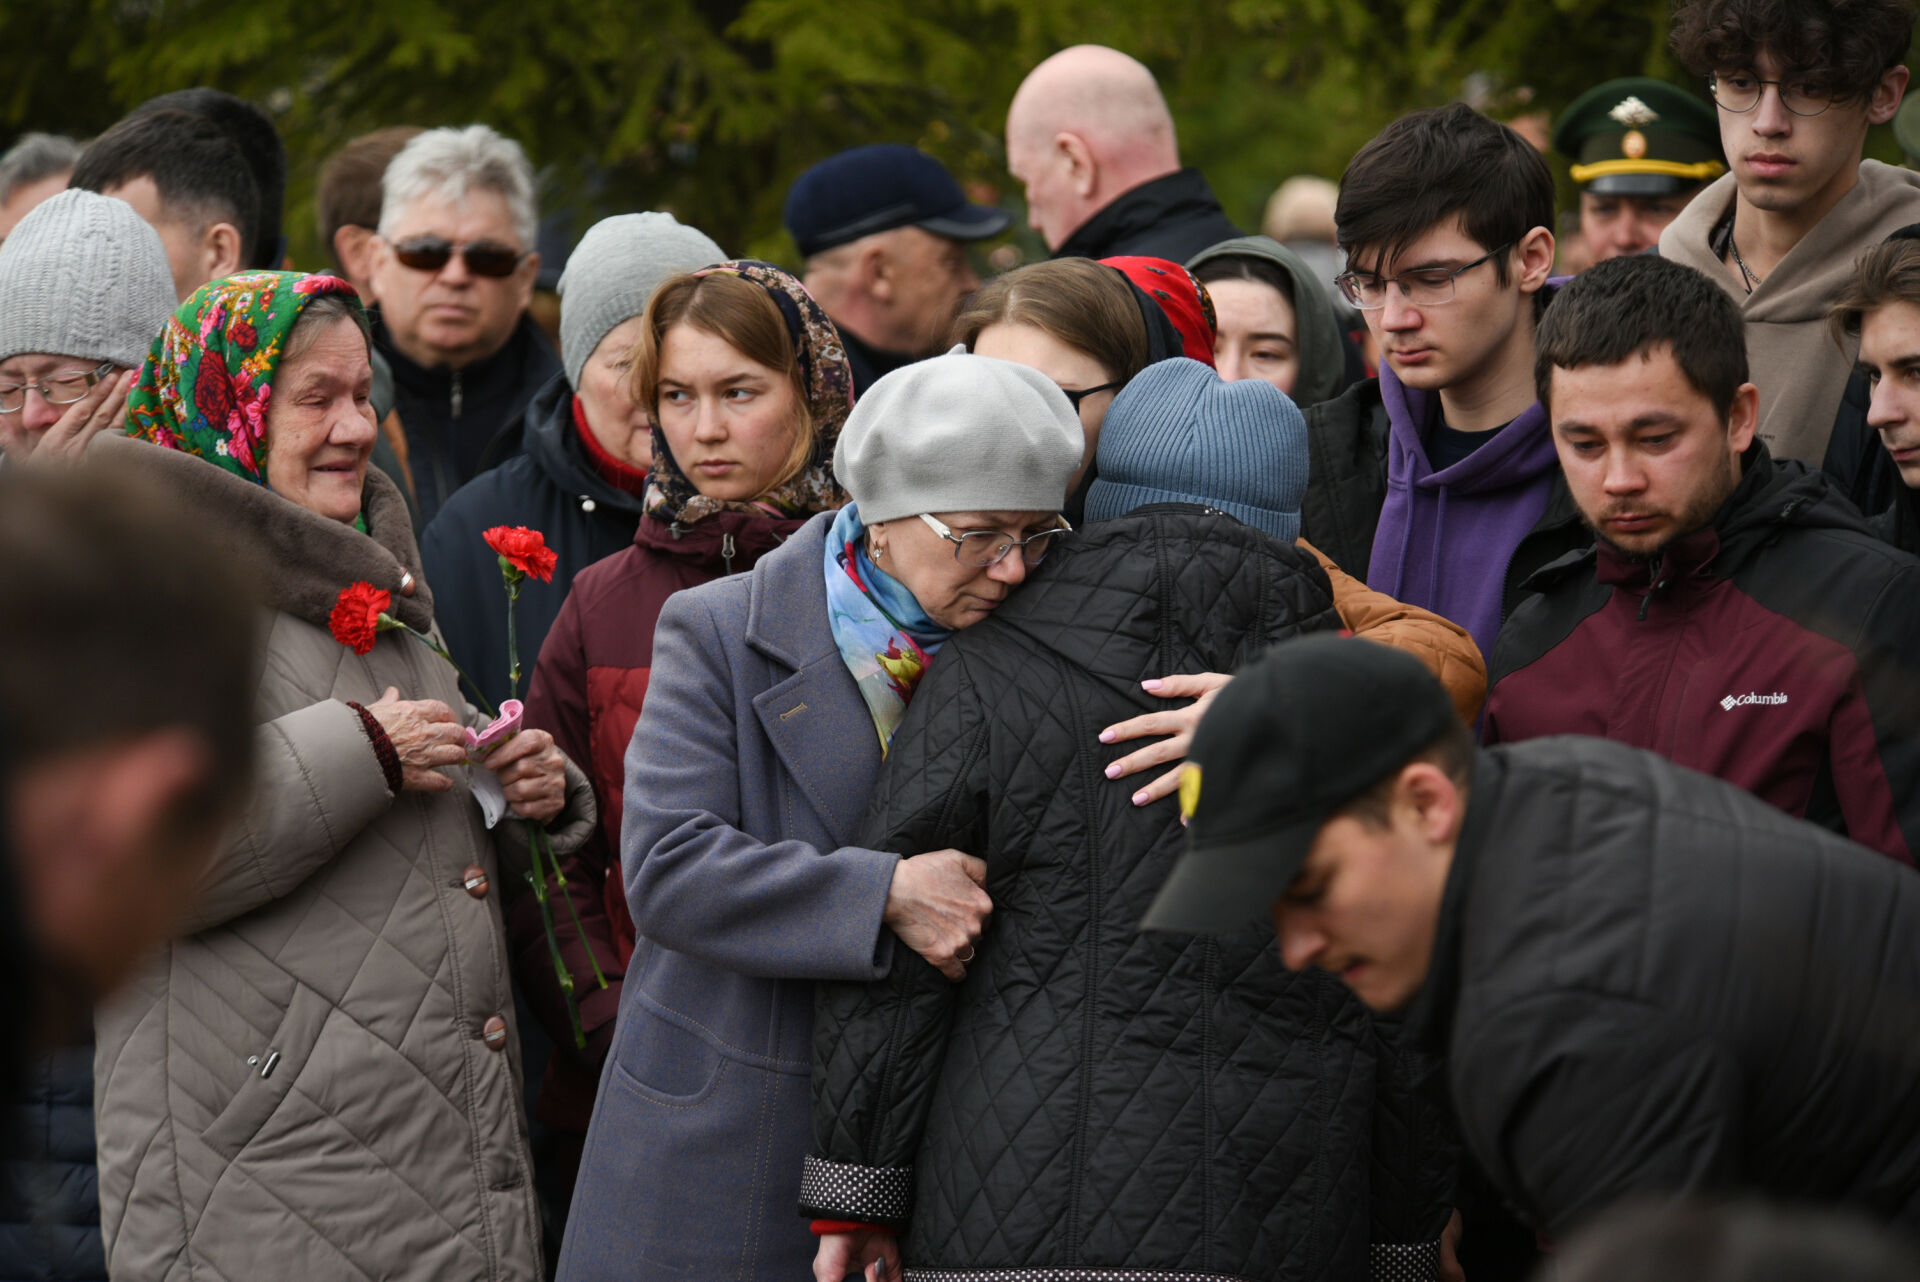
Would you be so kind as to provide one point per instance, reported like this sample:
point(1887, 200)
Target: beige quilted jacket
point(300, 1086)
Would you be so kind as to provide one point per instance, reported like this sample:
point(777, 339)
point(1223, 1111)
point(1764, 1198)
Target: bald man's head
point(1086, 125)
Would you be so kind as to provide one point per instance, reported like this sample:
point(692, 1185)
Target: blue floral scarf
point(885, 638)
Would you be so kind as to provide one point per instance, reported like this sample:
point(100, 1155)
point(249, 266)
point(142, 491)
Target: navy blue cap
point(878, 188)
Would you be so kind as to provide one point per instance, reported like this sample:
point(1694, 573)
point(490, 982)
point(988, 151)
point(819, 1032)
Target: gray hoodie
point(1322, 361)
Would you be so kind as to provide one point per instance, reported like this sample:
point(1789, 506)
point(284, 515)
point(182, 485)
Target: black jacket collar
point(1179, 197)
point(1430, 1015)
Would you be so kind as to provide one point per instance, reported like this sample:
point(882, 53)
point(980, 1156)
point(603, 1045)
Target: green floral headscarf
point(208, 378)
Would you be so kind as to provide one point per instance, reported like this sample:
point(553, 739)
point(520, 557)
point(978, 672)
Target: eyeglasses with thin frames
point(982, 548)
point(57, 389)
point(1426, 287)
point(1076, 395)
point(1742, 93)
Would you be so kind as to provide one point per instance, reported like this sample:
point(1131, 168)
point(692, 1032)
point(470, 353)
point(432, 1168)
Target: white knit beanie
point(614, 270)
point(83, 275)
point(959, 433)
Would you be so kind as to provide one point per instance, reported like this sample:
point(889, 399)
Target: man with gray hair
point(454, 271)
point(84, 289)
point(34, 168)
point(1090, 137)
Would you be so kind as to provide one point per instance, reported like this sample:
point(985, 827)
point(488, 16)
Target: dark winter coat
point(450, 418)
point(1646, 981)
point(586, 691)
point(49, 1189)
point(1174, 217)
point(551, 487)
point(1778, 649)
point(1093, 1099)
point(749, 770)
point(1347, 449)
point(1899, 524)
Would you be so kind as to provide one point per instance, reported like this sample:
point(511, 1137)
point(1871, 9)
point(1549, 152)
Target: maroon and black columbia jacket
point(1778, 648)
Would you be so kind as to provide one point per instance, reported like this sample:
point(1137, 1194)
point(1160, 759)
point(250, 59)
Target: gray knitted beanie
point(1177, 434)
point(959, 433)
point(84, 276)
point(614, 270)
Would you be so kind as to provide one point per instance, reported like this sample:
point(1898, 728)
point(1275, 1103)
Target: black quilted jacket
point(1093, 1098)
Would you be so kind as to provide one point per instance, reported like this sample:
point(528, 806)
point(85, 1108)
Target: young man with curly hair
point(1797, 84)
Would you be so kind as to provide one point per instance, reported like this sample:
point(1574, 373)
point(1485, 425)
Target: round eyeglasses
point(990, 547)
point(1423, 287)
point(58, 389)
point(1742, 92)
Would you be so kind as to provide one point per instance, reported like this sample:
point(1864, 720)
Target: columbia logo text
point(1733, 701)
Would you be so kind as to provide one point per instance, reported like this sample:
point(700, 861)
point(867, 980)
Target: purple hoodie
point(1445, 538)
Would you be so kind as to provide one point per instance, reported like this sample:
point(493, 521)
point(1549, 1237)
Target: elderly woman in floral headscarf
point(770, 696)
point(320, 1075)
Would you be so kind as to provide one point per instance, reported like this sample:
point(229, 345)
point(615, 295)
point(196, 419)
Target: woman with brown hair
point(1082, 324)
point(744, 381)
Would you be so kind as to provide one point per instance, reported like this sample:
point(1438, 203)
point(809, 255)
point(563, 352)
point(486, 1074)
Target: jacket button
point(494, 1033)
point(475, 880)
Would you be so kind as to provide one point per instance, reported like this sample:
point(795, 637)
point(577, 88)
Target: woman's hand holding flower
point(532, 773)
point(426, 736)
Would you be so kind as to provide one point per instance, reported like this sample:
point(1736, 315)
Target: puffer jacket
point(587, 691)
point(1647, 982)
point(1092, 1101)
point(1441, 644)
point(553, 487)
point(1777, 648)
point(302, 1084)
point(49, 1199)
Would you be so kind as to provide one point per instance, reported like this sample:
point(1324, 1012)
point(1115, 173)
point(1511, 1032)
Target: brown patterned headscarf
point(828, 380)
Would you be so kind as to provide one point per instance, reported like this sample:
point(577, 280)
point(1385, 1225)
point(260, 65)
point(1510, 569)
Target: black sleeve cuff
point(1405, 1261)
point(842, 1191)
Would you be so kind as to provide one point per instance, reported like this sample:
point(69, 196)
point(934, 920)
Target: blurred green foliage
point(710, 108)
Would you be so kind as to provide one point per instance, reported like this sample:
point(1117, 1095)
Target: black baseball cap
point(878, 188)
point(1311, 726)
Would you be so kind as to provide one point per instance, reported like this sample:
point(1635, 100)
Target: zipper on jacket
point(1090, 780)
point(1655, 582)
point(266, 1068)
point(726, 552)
point(457, 398)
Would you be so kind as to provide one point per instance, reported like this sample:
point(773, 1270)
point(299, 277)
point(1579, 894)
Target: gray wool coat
point(748, 774)
point(297, 1087)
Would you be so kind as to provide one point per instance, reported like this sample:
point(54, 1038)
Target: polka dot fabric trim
point(1060, 1275)
point(1405, 1261)
point(842, 1191)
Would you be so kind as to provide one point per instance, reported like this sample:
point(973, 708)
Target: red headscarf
point(1180, 295)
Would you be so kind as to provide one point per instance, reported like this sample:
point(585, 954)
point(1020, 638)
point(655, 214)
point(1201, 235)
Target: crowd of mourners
point(1386, 749)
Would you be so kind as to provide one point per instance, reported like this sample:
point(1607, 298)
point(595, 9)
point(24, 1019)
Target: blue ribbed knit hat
point(1177, 434)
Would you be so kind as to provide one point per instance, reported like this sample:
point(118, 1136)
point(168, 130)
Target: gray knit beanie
point(959, 433)
point(614, 270)
point(84, 276)
point(1177, 434)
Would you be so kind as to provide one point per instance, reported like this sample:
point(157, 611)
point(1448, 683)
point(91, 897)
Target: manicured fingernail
point(1153, 685)
point(1106, 736)
point(1113, 771)
point(1139, 798)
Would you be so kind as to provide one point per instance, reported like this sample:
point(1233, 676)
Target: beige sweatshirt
point(1799, 370)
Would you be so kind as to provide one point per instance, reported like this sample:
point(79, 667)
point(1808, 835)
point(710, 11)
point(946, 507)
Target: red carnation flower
point(242, 335)
point(525, 550)
point(355, 621)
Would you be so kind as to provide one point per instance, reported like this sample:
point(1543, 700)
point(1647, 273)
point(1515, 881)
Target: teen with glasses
point(453, 270)
point(1436, 482)
point(1796, 87)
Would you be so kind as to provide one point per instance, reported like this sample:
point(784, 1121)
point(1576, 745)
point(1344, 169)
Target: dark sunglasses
point(483, 257)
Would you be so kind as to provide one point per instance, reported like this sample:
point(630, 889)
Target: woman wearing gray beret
point(770, 704)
